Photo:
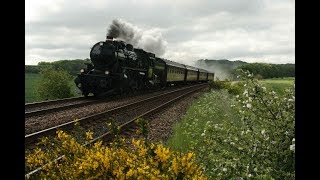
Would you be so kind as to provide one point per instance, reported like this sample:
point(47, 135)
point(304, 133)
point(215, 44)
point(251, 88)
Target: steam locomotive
point(118, 68)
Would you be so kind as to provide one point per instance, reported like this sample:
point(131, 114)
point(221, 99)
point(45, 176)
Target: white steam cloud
point(149, 40)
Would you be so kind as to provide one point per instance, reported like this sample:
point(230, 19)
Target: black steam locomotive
point(118, 68)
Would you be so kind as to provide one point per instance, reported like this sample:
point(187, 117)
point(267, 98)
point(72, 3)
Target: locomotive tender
point(117, 68)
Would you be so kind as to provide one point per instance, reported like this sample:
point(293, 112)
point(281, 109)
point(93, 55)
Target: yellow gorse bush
point(141, 161)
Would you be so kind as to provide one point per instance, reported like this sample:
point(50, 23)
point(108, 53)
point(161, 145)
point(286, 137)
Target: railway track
point(124, 116)
point(45, 107)
point(38, 108)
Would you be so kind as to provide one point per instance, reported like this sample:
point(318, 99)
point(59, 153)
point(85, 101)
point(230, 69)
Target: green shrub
point(258, 76)
point(54, 84)
point(232, 87)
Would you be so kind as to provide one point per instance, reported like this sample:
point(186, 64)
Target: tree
point(54, 84)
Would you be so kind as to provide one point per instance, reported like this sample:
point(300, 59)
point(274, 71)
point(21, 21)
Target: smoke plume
point(149, 40)
point(220, 72)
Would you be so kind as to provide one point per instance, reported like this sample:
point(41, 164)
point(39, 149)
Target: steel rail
point(41, 103)
point(31, 137)
point(59, 108)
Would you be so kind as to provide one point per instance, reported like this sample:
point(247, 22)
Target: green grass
point(278, 84)
point(31, 81)
point(30, 84)
point(211, 107)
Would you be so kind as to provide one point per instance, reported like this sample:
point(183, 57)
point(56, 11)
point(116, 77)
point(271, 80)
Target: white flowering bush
point(250, 135)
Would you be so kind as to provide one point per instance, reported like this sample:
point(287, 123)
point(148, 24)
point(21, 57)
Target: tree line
point(265, 71)
point(228, 69)
point(260, 70)
point(71, 66)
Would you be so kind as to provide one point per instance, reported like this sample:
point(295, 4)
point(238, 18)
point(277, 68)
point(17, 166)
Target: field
point(278, 84)
point(31, 80)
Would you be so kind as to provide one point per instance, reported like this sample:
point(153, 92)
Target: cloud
point(180, 30)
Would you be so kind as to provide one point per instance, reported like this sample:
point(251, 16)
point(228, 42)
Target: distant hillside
point(226, 69)
point(222, 68)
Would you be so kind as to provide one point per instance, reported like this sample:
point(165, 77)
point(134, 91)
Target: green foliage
point(217, 84)
point(231, 87)
point(31, 80)
point(249, 136)
point(71, 66)
point(31, 69)
point(258, 76)
point(54, 84)
point(264, 70)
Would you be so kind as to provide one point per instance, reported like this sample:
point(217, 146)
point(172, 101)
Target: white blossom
point(292, 147)
point(224, 169)
point(249, 175)
point(263, 131)
point(249, 105)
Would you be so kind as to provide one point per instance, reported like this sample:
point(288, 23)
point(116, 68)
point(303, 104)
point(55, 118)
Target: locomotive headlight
point(106, 72)
point(82, 70)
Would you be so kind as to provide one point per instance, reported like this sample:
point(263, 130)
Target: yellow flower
point(76, 121)
point(130, 173)
point(175, 166)
point(136, 143)
point(89, 135)
point(190, 156)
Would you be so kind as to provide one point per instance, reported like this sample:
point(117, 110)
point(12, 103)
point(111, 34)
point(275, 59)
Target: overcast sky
point(247, 30)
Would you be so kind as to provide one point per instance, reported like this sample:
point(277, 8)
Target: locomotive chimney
point(109, 38)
